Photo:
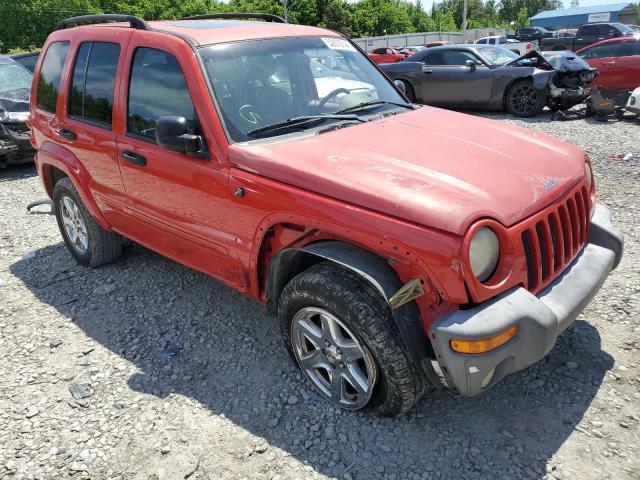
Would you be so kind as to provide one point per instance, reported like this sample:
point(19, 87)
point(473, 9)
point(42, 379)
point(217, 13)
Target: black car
point(27, 60)
point(530, 34)
point(493, 78)
point(15, 88)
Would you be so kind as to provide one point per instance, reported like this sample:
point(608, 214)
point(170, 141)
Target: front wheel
point(341, 334)
point(523, 100)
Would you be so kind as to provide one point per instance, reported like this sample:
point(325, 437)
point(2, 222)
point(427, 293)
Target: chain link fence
point(408, 39)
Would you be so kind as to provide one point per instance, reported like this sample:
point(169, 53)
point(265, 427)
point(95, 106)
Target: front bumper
point(541, 318)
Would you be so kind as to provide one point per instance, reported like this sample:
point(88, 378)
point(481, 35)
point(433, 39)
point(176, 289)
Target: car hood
point(429, 166)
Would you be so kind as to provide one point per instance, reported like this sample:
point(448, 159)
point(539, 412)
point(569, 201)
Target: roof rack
point(267, 17)
point(134, 22)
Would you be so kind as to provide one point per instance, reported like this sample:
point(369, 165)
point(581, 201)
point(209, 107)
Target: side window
point(589, 31)
point(379, 51)
point(94, 77)
point(602, 51)
point(482, 41)
point(632, 47)
point(157, 88)
point(457, 58)
point(49, 76)
point(607, 31)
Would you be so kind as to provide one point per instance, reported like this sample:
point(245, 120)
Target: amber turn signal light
point(483, 345)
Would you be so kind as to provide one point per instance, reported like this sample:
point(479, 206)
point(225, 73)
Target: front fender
point(53, 155)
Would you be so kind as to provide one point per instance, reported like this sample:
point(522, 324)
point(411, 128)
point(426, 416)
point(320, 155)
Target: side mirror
point(400, 85)
point(471, 64)
point(173, 134)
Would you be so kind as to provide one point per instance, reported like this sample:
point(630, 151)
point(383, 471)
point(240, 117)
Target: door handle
point(134, 158)
point(426, 72)
point(67, 134)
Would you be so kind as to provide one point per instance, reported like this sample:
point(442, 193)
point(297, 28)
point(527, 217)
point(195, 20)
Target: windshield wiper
point(300, 121)
point(374, 103)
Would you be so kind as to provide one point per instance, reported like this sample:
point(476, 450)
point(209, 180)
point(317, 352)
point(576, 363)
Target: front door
point(178, 203)
point(448, 81)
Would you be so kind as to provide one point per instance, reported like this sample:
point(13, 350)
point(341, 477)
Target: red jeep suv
point(401, 247)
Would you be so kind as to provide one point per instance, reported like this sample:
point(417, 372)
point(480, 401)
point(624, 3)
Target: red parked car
point(387, 55)
point(400, 246)
point(617, 61)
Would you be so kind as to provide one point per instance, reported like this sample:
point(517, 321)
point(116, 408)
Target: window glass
point(601, 51)
point(77, 81)
point(449, 57)
point(15, 81)
point(49, 77)
point(380, 51)
point(94, 77)
point(157, 89)
point(482, 41)
point(265, 82)
point(589, 30)
point(632, 47)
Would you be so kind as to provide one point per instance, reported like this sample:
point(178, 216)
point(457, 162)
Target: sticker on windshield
point(338, 44)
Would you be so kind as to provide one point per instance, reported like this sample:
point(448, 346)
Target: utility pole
point(464, 20)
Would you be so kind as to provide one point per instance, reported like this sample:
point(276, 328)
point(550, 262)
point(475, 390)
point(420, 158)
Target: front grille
point(554, 240)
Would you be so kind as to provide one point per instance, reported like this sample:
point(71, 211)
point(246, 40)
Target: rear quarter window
point(49, 76)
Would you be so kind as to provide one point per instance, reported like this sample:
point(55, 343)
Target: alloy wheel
point(74, 225)
point(524, 99)
point(338, 365)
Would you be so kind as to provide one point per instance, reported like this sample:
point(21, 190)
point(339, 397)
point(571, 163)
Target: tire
point(90, 244)
point(364, 317)
point(409, 92)
point(523, 100)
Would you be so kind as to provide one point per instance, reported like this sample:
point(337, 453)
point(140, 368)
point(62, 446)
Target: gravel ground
point(89, 387)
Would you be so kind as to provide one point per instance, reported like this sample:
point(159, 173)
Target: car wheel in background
point(340, 332)
point(90, 244)
point(409, 92)
point(522, 100)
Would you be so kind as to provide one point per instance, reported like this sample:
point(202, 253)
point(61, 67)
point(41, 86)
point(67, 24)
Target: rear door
point(447, 81)
point(86, 128)
point(178, 204)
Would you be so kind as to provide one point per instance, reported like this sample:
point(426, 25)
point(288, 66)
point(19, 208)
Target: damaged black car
point(15, 87)
point(490, 77)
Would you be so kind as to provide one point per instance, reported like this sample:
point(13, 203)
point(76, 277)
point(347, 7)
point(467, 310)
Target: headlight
point(589, 175)
point(484, 253)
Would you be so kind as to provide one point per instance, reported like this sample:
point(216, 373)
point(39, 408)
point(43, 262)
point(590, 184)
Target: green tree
point(336, 16)
point(522, 20)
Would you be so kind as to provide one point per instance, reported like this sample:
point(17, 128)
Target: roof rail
point(267, 17)
point(134, 22)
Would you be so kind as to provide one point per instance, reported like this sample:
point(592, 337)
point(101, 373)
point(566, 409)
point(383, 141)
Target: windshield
point(13, 78)
point(497, 55)
point(623, 28)
point(265, 82)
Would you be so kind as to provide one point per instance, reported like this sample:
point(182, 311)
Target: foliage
point(25, 24)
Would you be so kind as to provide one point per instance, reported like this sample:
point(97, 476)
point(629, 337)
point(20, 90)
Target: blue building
point(574, 17)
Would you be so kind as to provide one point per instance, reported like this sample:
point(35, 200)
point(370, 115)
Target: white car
point(633, 104)
point(516, 47)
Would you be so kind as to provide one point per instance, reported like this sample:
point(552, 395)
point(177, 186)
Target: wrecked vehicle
point(401, 247)
point(15, 86)
point(633, 104)
point(493, 78)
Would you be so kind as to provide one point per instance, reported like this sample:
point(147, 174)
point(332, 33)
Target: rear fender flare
point(373, 269)
point(50, 154)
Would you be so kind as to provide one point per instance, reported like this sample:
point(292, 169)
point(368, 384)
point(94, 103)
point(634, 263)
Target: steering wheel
point(330, 95)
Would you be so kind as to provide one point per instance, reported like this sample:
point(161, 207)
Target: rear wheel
point(523, 100)
point(89, 243)
point(341, 334)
